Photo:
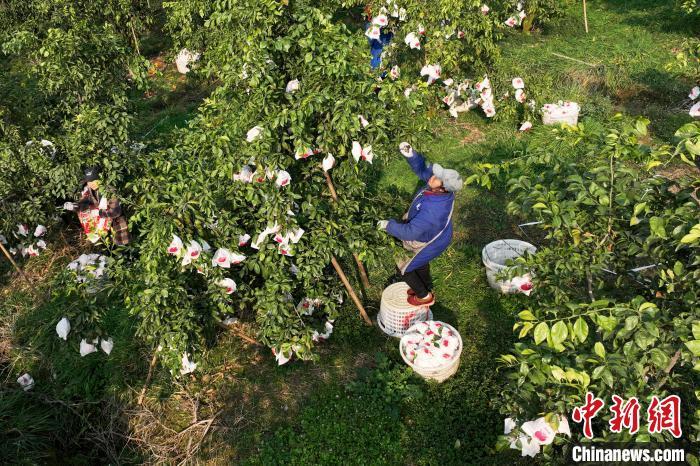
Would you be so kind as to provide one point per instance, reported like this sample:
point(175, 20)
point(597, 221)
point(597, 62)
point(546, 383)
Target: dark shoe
point(418, 302)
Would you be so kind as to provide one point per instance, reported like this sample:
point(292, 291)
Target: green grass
point(73, 409)
point(334, 411)
point(629, 42)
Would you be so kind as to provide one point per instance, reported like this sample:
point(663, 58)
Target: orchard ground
point(351, 406)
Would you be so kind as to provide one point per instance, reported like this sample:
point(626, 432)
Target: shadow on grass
point(6, 272)
point(659, 97)
point(660, 86)
point(655, 15)
point(462, 414)
point(264, 404)
point(337, 424)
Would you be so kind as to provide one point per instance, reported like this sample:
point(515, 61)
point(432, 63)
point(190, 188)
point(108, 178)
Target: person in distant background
point(426, 230)
point(376, 47)
point(97, 214)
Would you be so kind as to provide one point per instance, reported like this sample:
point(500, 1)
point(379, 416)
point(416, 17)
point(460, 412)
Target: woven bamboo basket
point(396, 315)
point(439, 373)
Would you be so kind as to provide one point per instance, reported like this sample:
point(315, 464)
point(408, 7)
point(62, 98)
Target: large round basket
point(440, 373)
point(396, 315)
point(496, 254)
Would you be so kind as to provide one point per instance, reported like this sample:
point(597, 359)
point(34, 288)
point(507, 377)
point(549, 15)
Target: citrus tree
point(64, 82)
point(242, 212)
point(237, 216)
point(616, 281)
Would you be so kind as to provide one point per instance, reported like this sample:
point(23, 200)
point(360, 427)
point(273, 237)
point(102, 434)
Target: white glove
point(69, 206)
point(406, 149)
point(381, 225)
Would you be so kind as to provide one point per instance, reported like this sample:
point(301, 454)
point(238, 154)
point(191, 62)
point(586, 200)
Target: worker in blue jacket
point(376, 47)
point(426, 229)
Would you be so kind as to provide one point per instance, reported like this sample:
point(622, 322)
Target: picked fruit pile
point(431, 346)
point(561, 112)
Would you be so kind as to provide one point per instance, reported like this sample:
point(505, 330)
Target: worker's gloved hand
point(381, 225)
point(406, 149)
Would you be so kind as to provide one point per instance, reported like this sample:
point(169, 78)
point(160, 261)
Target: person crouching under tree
point(97, 214)
point(426, 230)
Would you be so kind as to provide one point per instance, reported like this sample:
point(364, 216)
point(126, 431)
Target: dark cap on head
point(91, 174)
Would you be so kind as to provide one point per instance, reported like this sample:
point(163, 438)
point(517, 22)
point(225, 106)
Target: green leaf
point(659, 358)
point(643, 339)
point(693, 346)
point(524, 368)
point(631, 322)
point(607, 377)
point(526, 315)
point(581, 329)
point(559, 332)
point(641, 127)
point(658, 227)
point(557, 372)
point(599, 349)
point(678, 268)
point(597, 372)
point(539, 206)
point(553, 420)
point(696, 330)
point(471, 179)
point(638, 208)
point(526, 329)
point(691, 237)
point(607, 323)
point(541, 332)
point(646, 306)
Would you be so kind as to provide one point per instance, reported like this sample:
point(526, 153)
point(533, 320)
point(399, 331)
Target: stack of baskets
point(396, 315)
point(432, 349)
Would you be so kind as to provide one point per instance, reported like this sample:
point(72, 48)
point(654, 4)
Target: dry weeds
point(473, 133)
